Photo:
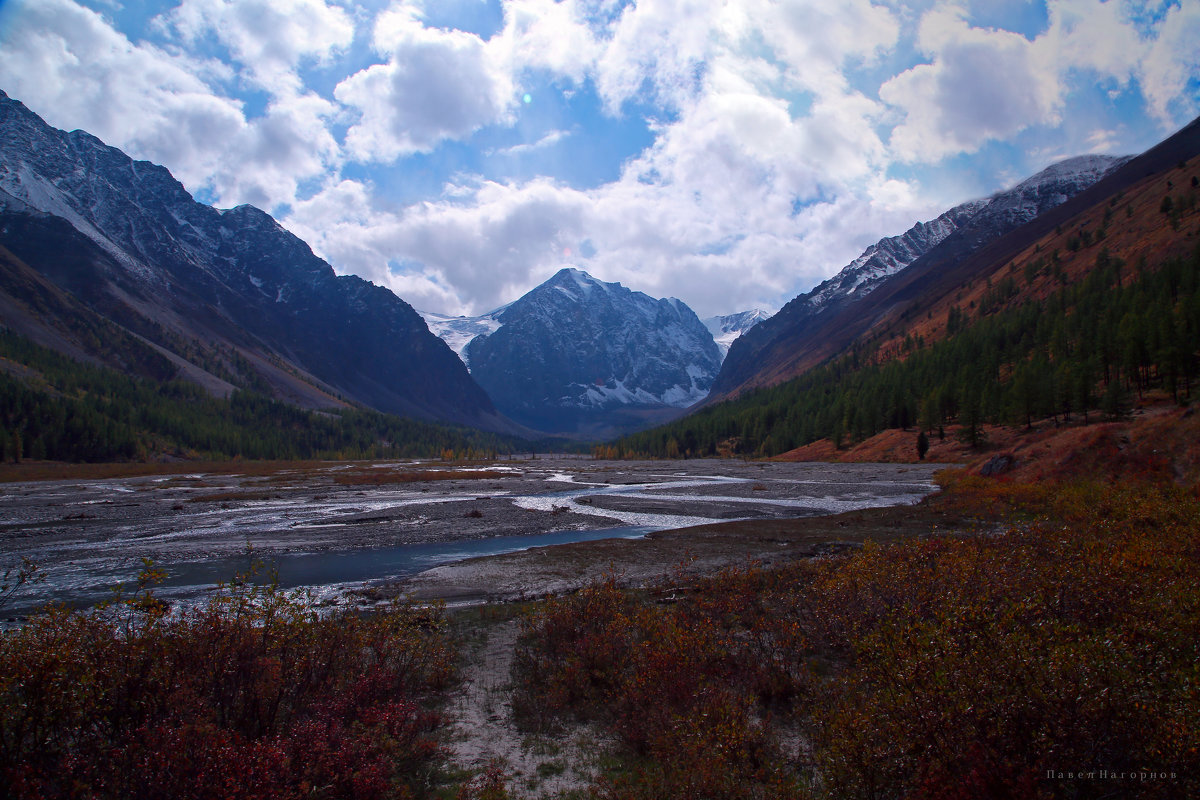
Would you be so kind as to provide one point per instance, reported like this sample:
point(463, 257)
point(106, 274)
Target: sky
point(731, 153)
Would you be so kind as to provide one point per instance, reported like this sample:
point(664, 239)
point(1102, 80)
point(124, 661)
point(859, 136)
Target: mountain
point(728, 327)
point(228, 297)
point(819, 324)
point(1074, 317)
point(578, 355)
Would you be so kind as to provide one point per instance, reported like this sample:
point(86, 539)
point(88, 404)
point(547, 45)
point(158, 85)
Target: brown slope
point(944, 276)
point(1128, 226)
point(1159, 441)
point(75, 302)
point(35, 308)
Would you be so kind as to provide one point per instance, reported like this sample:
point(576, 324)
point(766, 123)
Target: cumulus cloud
point(553, 35)
point(276, 152)
point(437, 84)
point(269, 37)
point(1170, 69)
point(71, 67)
point(1093, 36)
point(658, 46)
point(815, 39)
point(786, 136)
point(983, 84)
point(737, 202)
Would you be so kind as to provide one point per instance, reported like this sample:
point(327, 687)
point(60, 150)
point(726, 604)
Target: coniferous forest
point(53, 407)
point(1087, 350)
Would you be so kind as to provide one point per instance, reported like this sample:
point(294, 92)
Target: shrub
point(1064, 640)
point(252, 695)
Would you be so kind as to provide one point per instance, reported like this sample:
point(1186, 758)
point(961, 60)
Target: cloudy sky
point(731, 153)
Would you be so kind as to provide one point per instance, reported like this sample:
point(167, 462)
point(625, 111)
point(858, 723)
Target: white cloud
point(708, 211)
point(775, 153)
point(548, 34)
point(548, 140)
point(273, 154)
point(660, 45)
point(1172, 64)
point(437, 85)
point(982, 84)
point(986, 85)
point(72, 68)
point(1095, 36)
point(269, 37)
point(816, 39)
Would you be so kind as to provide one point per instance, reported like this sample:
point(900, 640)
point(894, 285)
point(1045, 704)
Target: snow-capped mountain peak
point(954, 235)
point(575, 350)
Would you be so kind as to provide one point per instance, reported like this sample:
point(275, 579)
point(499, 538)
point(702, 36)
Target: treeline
point(53, 407)
point(1089, 347)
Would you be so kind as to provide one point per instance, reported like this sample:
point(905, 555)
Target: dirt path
point(484, 731)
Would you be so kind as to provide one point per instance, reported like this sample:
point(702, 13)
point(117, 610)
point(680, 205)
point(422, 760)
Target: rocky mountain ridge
point(580, 355)
point(815, 325)
point(230, 292)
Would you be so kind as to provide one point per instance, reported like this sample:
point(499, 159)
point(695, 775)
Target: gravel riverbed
point(358, 531)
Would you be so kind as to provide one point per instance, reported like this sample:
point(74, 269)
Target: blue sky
point(731, 153)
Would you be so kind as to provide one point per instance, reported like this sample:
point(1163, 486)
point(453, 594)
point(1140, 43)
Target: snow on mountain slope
point(1001, 212)
point(964, 229)
point(459, 331)
point(575, 348)
point(728, 327)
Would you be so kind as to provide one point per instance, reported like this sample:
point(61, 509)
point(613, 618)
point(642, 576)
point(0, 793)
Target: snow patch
point(458, 332)
point(727, 328)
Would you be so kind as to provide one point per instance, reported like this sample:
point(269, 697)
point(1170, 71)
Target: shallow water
point(90, 535)
point(340, 570)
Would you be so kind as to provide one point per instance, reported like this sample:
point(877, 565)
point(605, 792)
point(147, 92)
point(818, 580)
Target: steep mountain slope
point(582, 356)
point(816, 325)
point(229, 292)
point(726, 328)
point(1077, 316)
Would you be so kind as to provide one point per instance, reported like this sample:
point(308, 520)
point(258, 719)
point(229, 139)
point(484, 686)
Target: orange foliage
point(1063, 641)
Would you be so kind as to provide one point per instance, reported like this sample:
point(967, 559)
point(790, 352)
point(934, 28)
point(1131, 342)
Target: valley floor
point(347, 529)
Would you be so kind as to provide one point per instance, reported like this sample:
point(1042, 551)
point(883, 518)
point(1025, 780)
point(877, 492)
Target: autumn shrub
point(980, 667)
point(252, 695)
point(490, 784)
point(678, 686)
point(1051, 651)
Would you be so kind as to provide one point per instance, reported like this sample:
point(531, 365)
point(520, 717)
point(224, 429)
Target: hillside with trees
point(54, 407)
point(1079, 325)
